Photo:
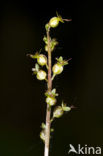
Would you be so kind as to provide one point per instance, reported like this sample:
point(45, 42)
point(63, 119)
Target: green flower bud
point(42, 60)
point(51, 100)
point(53, 43)
point(58, 112)
point(41, 75)
point(46, 48)
point(42, 135)
point(57, 69)
point(52, 130)
point(61, 61)
point(51, 93)
point(52, 47)
point(47, 26)
point(43, 126)
point(54, 22)
point(45, 40)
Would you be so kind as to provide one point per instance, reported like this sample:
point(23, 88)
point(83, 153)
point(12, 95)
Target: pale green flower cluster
point(57, 68)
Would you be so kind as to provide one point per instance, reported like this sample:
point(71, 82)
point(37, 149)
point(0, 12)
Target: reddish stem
point(48, 111)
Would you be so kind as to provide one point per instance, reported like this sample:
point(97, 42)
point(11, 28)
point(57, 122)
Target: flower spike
point(44, 70)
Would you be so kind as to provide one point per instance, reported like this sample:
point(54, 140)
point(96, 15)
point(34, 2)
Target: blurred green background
point(22, 101)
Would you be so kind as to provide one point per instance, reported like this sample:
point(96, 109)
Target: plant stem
point(48, 110)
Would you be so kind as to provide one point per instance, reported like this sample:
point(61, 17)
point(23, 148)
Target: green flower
point(58, 112)
point(42, 60)
point(51, 93)
point(54, 21)
point(51, 100)
point(41, 75)
point(57, 69)
point(61, 61)
point(42, 135)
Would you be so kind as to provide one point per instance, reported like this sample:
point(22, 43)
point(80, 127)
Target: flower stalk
point(48, 110)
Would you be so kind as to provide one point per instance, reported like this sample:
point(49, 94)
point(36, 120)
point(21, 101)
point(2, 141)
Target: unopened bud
point(57, 69)
point(41, 75)
point(54, 22)
point(58, 112)
point(46, 48)
point(47, 26)
point(42, 135)
point(51, 101)
point(42, 60)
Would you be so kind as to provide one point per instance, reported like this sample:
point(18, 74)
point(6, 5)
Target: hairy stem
point(48, 111)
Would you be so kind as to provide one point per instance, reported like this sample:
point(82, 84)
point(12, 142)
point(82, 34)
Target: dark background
point(22, 101)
